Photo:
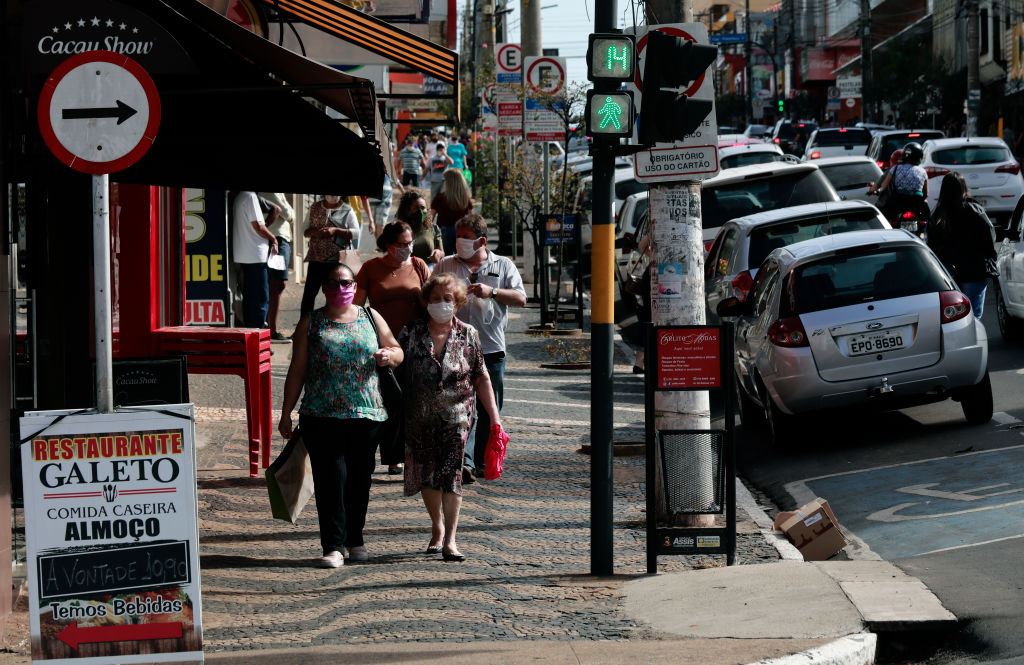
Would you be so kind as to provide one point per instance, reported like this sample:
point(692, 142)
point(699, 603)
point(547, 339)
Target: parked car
point(986, 163)
point(742, 244)
point(744, 155)
point(792, 135)
point(625, 185)
point(851, 176)
point(1009, 285)
point(837, 142)
point(758, 131)
point(873, 127)
point(883, 144)
point(861, 319)
point(726, 140)
point(747, 190)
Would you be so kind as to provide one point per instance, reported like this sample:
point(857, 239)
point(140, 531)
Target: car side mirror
point(626, 243)
point(732, 307)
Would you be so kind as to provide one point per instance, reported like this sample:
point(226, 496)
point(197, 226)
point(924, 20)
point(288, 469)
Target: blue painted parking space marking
point(910, 509)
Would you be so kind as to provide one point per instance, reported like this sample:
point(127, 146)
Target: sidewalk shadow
point(221, 483)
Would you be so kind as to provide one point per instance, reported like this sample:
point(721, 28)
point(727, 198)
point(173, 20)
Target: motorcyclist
point(909, 186)
point(877, 187)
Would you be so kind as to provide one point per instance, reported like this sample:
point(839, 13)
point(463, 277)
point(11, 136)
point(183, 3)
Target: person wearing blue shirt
point(457, 152)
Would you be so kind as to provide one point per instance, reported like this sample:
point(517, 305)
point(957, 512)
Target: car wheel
point(976, 401)
point(751, 416)
point(780, 426)
point(1010, 327)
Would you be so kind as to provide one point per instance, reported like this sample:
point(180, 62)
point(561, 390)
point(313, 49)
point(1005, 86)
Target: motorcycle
point(911, 220)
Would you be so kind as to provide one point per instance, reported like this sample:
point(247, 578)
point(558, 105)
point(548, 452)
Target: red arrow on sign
point(73, 635)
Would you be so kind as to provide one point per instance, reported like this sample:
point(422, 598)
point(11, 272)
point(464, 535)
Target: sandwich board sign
point(112, 536)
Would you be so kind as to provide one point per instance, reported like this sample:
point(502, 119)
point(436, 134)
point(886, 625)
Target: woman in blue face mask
point(334, 357)
point(443, 376)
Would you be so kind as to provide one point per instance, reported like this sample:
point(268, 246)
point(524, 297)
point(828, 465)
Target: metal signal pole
point(602, 324)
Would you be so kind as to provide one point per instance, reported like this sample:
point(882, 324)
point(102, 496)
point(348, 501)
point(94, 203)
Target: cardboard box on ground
point(813, 529)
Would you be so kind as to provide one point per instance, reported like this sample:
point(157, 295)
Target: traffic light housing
point(782, 107)
point(609, 114)
point(611, 57)
point(672, 62)
point(474, 108)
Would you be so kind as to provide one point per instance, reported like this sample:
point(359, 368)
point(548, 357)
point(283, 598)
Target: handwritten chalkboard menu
point(112, 535)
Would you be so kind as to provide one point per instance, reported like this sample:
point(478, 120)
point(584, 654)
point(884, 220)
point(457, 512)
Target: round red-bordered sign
point(641, 44)
point(77, 121)
point(501, 54)
point(551, 61)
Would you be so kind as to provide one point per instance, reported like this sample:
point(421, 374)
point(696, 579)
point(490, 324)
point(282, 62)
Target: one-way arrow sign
point(122, 112)
point(94, 86)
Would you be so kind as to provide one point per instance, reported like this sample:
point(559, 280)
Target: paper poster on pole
point(112, 536)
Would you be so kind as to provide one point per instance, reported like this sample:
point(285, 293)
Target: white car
point(851, 176)
point(731, 156)
point(986, 163)
point(837, 142)
point(1009, 285)
point(625, 185)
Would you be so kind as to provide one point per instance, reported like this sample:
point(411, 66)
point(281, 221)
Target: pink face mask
point(340, 297)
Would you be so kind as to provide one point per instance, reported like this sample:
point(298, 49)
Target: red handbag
point(494, 456)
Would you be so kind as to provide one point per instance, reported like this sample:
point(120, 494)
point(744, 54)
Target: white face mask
point(465, 247)
point(442, 312)
point(403, 253)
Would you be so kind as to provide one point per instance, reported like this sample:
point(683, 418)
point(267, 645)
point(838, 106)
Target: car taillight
point(908, 215)
point(881, 164)
point(815, 155)
point(707, 245)
point(1012, 169)
point(913, 136)
point(788, 333)
point(741, 284)
point(776, 140)
point(842, 131)
point(935, 171)
point(954, 304)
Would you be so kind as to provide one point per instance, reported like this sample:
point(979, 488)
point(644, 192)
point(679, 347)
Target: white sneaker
point(332, 560)
point(358, 553)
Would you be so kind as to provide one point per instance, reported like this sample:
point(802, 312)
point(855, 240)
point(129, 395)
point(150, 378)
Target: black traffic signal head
point(668, 116)
point(674, 62)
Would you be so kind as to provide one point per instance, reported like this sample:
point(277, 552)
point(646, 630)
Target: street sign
point(696, 156)
point(99, 112)
point(545, 77)
point(974, 99)
point(509, 59)
point(848, 87)
point(730, 38)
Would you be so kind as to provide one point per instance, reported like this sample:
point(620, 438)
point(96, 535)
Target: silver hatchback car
point(867, 318)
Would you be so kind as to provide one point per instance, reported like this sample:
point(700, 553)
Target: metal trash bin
point(685, 457)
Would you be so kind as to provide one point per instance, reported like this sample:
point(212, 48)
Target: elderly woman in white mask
point(444, 375)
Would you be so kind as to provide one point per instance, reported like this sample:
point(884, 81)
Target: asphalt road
point(921, 488)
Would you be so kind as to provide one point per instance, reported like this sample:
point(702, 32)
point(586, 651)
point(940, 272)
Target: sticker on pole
point(99, 112)
point(111, 536)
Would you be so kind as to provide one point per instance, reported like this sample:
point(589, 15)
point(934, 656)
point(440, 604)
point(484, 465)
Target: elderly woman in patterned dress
point(443, 374)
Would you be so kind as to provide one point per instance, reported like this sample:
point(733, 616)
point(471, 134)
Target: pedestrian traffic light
point(609, 114)
point(672, 62)
point(474, 108)
point(782, 106)
point(611, 57)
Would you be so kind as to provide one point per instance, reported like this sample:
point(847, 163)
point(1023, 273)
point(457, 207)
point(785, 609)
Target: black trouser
point(341, 454)
point(315, 273)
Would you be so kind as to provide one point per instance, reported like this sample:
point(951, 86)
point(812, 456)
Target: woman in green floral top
point(334, 356)
point(444, 375)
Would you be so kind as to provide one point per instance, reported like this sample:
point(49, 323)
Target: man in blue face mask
point(493, 285)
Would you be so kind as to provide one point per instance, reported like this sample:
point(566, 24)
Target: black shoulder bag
point(392, 435)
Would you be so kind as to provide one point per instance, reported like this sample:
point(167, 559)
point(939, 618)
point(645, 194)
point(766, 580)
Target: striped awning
point(374, 35)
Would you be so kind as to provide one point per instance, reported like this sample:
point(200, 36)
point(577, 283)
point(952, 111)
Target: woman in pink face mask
point(334, 356)
point(392, 285)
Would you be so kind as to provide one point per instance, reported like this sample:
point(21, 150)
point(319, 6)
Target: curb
point(856, 649)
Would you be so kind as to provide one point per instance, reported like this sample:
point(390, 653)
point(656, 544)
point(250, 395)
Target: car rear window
point(626, 188)
point(843, 137)
point(764, 239)
point(969, 155)
point(895, 142)
point(848, 176)
point(725, 202)
point(788, 130)
point(748, 158)
point(862, 275)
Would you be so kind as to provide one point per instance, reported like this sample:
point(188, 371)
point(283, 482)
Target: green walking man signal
point(609, 113)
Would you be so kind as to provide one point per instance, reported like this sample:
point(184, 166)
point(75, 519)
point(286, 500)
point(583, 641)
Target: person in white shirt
point(252, 244)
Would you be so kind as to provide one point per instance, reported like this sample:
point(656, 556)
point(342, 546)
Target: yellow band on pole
point(602, 274)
